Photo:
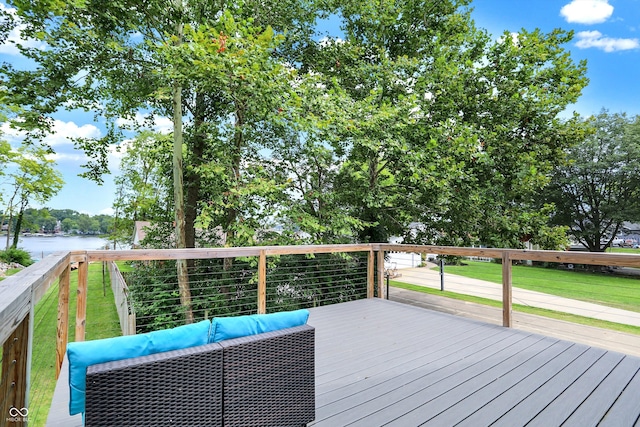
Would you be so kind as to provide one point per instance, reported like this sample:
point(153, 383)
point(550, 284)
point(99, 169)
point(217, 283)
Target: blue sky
point(607, 35)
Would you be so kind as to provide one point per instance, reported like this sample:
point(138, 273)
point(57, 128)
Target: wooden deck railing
point(121, 299)
point(18, 296)
point(20, 293)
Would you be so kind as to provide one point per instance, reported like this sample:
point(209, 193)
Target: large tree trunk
point(232, 212)
point(181, 264)
point(9, 229)
point(16, 232)
point(193, 181)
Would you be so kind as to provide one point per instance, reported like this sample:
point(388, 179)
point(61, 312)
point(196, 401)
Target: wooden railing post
point(506, 290)
point(81, 310)
point(13, 384)
point(370, 274)
point(380, 265)
point(62, 336)
point(262, 283)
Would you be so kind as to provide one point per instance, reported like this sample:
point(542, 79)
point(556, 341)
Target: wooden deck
point(386, 363)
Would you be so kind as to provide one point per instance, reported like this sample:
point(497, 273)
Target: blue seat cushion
point(224, 328)
point(86, 353)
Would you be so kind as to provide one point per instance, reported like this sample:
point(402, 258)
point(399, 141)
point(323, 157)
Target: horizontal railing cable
point(594, 287)
point(220, 287)
point(42, 383)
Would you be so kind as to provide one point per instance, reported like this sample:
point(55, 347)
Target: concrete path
point(424, 276)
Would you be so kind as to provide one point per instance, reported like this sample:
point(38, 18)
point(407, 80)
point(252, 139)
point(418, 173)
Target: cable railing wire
point(220, 287)
point(45, 310)
point(591, 292)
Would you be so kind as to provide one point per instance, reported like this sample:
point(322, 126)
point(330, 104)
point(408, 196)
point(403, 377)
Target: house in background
point(631, 232)
point(139, 233)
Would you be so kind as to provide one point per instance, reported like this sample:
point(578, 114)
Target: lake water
point(41, 246)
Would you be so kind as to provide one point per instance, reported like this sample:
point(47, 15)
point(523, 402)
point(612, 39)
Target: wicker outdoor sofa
point(266, 379)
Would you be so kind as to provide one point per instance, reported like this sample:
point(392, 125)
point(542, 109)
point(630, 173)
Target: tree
point(528, 80)
point(134, 56)
point(33, 179)
point(84, 223)
point(236, 66)
point(48, 224)
point(68, 225)
point(144, 187)
point(597, 188)
point(444, 126)
point(61, 214)
point(428, 120)
point(106, 223)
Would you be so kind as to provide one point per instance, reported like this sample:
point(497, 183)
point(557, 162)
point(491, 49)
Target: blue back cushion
point(86, 353)
point(224, 328)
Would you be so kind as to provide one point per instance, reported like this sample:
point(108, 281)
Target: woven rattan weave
point(260, 380)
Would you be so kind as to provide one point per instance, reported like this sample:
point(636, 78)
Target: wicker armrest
point(269, 379)
point(177, 388)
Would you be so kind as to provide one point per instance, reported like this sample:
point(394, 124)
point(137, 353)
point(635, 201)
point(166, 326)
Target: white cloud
point(63, 132)
point(75, 157)
point(515, 39)
point(15, 36)
point(328, 41)
point(588, 39)
point(107, 211)
point(162, 125)
point(587, 11)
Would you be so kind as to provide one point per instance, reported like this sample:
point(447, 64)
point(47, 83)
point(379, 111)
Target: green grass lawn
point(11, 272)
point(102, 322)
point(601, 288)
point(624, 250)
point(522, 308)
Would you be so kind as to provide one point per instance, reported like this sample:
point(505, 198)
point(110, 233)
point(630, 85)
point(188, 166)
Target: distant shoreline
point(41, 245)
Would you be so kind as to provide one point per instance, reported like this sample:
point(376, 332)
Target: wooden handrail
point(17, 292)
point(589, 258)
point(211, 253)
point(18, 297)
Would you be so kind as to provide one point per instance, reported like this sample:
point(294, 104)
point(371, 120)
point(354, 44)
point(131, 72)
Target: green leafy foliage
point(596, 189)
point(18, 256)
point(220, 288)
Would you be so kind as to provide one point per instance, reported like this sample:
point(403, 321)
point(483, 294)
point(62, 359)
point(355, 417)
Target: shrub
point(18, 256)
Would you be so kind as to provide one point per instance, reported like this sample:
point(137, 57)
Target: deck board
point(510, 388)
point(446, 394)
point(375, 367)
point(546, 394)
point(382, 362)
point(604, 396)
point(574, 395)
point(370, 403)
point(626, 408)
